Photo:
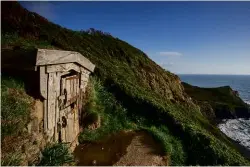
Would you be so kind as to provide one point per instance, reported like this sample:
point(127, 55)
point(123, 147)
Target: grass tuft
point(113, 115)
point(11, 159)
point(55, 155)
point(172, 145)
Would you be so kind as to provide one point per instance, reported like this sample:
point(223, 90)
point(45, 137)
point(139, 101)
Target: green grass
point(113, 115)
point(56, 155)
point(222, 100)
point(220, 94)
point(172, 145)
point(138, 90)
point(11, 159)
point(15, 107)
point(115, 118)
point(15, 110)
point(14, 40)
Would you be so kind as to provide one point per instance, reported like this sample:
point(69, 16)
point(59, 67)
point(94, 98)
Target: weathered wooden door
point(68, 108)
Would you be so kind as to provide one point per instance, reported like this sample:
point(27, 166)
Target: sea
point(236, 129)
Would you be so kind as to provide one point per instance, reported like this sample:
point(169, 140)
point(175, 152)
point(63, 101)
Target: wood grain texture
point(51, 103)
point(46, 57)
point(43, 82)
point(45, 115)
point(63, 67)
point(57, 110)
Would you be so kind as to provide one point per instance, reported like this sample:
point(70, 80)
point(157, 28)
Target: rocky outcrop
point(218, 103)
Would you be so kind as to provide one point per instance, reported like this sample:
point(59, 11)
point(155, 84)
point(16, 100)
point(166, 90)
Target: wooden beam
point(62, 68)
point(43, 82)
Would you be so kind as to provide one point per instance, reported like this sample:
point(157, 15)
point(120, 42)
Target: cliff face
point(218, 103)
point(139, 84)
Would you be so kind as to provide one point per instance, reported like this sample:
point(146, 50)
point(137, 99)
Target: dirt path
point(124, 148)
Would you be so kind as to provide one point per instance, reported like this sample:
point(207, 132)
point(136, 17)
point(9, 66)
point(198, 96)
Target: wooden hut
point(59, 79)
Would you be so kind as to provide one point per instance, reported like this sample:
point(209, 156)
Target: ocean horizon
point(236, 129)
point(240, 83)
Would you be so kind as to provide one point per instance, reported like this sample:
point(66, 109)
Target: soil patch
point(124, 148)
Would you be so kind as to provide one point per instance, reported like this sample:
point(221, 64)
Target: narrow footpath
point(124, 148)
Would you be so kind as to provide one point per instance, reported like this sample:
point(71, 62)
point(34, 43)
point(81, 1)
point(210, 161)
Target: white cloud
point(174, 54)
point(168, 64)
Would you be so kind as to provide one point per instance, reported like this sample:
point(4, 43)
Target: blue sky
point(183, 37)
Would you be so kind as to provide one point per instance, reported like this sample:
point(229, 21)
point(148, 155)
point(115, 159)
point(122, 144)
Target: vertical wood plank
point(50, 102)
point(56, 104)
point(43, 82)
point(69, 134)
point(68, 89)
point(76, 118)
point(67, 129)
point(61, 112)
point(62, 130)
point(70, 83)
point(74, 87)
point(57, 92)
point(45, 115)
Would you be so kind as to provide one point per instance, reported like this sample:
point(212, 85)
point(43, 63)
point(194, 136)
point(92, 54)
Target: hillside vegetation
point(218, 103)
point(15, 109)
point(152, 96)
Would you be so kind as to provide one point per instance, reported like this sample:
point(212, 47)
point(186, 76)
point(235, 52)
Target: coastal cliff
point(130, 91)
point(218, 103)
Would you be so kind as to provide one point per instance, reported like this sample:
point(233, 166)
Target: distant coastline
point(240, 83)
point(217, 74)
point(232, 128)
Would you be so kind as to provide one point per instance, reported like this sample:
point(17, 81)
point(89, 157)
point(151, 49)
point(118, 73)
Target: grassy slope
point(16, 106)
point(114, 118)
point(222, 99)
point(15, 110)
point(144, 88)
